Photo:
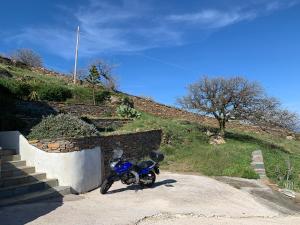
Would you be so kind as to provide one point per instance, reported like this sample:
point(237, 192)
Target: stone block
point(53, 146)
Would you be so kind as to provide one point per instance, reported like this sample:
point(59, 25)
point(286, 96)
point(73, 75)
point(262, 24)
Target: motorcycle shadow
point(136, 187)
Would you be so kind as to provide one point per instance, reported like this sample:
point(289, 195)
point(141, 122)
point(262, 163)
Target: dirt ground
point(175, 199)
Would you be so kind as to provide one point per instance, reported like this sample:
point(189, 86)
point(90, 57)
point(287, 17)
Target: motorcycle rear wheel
point(105, 186)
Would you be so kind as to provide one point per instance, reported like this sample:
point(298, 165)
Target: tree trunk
point(222, 127)
point(94, 96)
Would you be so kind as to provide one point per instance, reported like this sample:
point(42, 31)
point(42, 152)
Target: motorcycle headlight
point(113, 165)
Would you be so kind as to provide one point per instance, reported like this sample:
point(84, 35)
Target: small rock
point(297, 197)
point(217, 140)
point(208, 133)
point(114, 99)
point(290, 137)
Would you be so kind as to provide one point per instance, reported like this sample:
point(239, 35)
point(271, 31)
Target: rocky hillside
point(82, 96)
point(165, 111)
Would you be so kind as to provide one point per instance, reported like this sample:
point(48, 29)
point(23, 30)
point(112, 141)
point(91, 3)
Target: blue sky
point(162, 46)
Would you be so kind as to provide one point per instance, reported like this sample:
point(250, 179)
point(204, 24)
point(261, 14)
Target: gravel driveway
point(176, 199)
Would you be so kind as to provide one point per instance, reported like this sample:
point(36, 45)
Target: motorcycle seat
point(145, 164)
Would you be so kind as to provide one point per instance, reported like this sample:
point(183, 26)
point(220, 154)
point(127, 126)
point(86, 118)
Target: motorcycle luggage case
point(157, 156)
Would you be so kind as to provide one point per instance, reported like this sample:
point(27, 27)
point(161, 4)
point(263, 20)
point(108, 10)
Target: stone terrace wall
point(109, 122)
point(84, 110)
point(165, 111)
point(135, 145)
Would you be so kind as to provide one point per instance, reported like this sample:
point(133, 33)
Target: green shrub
point(102, 96)
point(18, 89)
point(128, 112)
point(54, 93)
point(62, 125)
point(23, 90)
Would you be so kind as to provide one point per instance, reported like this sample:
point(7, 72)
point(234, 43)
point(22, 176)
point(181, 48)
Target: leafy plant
point(93, 79)
point(62, 125)
point(33, 96)
point(128, 112)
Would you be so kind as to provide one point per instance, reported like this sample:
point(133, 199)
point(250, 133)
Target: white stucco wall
point(81, 170)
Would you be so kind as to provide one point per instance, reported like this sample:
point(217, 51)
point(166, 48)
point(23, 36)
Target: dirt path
point(176, 199)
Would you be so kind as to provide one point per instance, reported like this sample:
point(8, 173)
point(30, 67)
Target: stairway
point(22, 184)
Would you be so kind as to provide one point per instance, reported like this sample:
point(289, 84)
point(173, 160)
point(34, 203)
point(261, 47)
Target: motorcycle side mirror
point(117, 153)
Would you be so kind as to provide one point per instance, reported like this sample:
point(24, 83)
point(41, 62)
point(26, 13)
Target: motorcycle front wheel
point(150, 178)
point(105, 186)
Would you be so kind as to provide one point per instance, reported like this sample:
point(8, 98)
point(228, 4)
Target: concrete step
point(13, 164)
point(18, 180)
point(7, 158)
point(11, 191)
point(22, 170)
point(58, 191)
point(4, 152)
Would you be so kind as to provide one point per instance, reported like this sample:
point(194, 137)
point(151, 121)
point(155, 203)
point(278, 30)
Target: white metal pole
point(76, 56)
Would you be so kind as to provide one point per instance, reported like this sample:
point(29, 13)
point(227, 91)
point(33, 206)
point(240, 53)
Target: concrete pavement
point(175, 199)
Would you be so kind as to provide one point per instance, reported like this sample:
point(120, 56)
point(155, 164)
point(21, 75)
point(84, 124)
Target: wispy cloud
point(133, 26)
point(211, 18)
point(217, 18)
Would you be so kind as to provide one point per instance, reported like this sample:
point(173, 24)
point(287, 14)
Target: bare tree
point(268, 112)
point(105, 69)
point(28, 56)
point(111, 83)
point(235, 98)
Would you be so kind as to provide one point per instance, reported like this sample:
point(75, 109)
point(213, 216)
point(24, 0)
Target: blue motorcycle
point(129, 172)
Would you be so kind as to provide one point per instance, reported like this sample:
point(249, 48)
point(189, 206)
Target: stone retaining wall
point(84, 110)
point(108, 123)
point(135, 145)
point(165, 111)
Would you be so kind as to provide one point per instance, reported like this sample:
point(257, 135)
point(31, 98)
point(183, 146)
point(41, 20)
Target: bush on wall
point(62, 125)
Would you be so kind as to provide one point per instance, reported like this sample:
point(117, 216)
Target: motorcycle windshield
point(117, 153)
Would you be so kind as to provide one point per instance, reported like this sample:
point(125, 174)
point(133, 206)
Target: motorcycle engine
point(128, 178)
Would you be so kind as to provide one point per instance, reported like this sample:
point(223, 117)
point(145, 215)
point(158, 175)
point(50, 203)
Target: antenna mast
point(76, 57)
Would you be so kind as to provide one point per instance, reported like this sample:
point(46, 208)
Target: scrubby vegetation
point(29, 85)
point(62, 125)
point(187, 150)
